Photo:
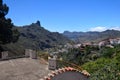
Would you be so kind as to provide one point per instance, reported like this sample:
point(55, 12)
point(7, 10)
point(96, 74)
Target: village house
point(114, 41)
point(103, 43)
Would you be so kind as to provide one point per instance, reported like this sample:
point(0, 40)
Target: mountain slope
point(91, 36)
point(35, 37)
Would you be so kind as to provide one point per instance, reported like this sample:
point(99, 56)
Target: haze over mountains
point(92, 36)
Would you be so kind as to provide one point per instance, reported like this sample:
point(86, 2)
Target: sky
point(70, 15)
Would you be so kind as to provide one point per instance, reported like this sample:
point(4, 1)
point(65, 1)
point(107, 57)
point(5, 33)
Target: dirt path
point(22, 69)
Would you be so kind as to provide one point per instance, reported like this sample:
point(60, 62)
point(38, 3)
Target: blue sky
point(71, 15)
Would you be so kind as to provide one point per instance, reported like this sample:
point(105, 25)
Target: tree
point(7, 33)
point(3, 9)
point(107, 52)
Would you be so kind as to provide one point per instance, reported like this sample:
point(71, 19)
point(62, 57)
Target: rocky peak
point(38, 23)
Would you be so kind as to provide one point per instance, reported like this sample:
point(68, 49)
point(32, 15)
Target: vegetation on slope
point(107, 67)
point(102, 64)
point(35, 37)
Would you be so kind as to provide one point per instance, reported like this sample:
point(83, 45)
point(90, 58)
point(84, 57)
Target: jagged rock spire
point(38, 23)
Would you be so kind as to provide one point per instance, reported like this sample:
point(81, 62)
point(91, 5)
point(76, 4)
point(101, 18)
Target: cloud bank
point(100, 28)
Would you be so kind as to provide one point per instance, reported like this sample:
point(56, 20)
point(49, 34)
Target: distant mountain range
point(34, 36)
point(91, 36)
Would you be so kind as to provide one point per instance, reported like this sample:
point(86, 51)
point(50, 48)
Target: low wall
point(28, 54)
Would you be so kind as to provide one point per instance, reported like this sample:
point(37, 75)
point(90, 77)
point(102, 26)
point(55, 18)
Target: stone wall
point(52, 63)
point(31, 53)
point(0, 55)
point(28, 53)
point(67, 73)
point(4, 55)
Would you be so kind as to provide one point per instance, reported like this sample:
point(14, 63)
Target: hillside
point(34, 36)
point(91, 36)
point(102, 63)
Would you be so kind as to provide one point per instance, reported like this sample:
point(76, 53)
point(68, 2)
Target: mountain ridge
point(91, 36)
point(34, 36)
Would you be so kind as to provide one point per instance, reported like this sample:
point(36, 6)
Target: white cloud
point(99, 29)
point(115, 28)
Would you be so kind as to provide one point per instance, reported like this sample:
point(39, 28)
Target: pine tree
point(7, 34)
